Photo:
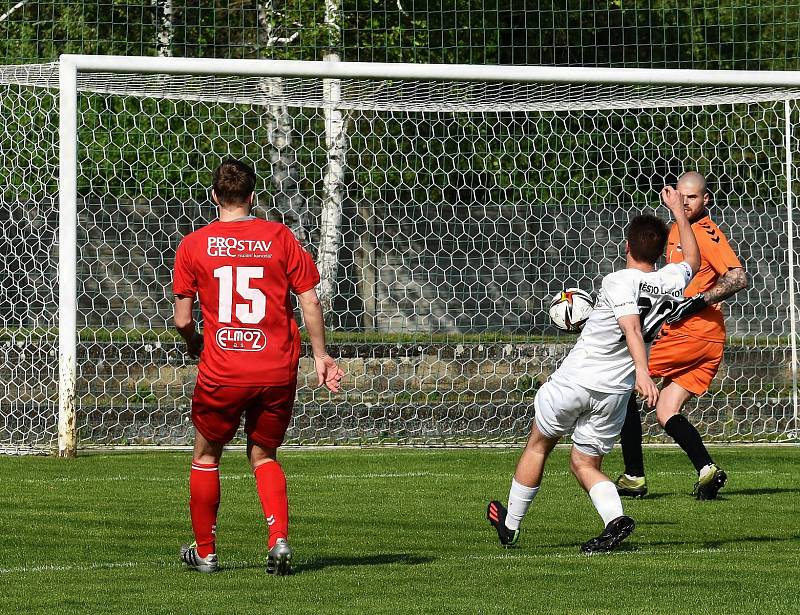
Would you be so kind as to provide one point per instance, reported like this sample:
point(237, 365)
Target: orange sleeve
point(716, 250)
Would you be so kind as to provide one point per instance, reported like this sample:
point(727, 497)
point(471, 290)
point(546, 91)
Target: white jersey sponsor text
point(600, 359)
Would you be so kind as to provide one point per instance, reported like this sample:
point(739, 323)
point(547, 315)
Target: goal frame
point(71, 65)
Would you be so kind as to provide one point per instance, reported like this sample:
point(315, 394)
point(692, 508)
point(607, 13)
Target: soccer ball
point(570, 309)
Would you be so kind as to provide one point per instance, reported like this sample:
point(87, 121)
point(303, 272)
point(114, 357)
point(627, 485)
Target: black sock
point(631, 440)
point(688, 438)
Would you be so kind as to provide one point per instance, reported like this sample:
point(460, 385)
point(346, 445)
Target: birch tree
point(165, 27)
point(283, 160)
point(333, 177)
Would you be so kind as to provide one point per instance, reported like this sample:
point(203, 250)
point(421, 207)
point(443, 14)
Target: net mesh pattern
point(458, 222)
point(397, 95)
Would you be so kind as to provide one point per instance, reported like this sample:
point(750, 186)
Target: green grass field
point(397, 531)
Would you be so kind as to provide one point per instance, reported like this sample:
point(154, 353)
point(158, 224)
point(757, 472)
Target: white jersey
point(600, 359)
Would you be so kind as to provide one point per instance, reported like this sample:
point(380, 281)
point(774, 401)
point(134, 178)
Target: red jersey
point(242, 272)
point(716, 259)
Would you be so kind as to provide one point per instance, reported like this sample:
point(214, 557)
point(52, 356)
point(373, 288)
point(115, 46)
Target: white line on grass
point(384, 475)
point(78, 567)
point(516, 555)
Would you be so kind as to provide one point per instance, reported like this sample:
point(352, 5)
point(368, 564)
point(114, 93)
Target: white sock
point(606, 500)
point(519, 500)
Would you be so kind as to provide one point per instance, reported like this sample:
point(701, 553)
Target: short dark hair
point(647, 238)
point(234, 181)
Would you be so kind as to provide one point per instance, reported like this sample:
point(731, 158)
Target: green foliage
point(367, 539)
point(643, 33)
point(532, 159)
point(760, 34)
point(153, 146)
point(40, 31)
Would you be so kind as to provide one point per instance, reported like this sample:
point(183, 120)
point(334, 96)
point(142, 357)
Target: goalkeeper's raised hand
point(688, 308)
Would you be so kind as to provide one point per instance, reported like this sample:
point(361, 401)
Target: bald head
point(694, 191)
point(693, 179)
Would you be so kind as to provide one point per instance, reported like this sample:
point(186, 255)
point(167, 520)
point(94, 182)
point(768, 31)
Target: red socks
point(203, 504)
point(271, 485)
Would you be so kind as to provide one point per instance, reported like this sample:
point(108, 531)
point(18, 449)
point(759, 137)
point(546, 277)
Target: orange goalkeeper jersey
point(716, 259)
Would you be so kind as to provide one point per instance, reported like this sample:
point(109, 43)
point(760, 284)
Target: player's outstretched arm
point(184, 323)
point(729, 284)
point(328, 372)
point(691, 251)
point(645, 387)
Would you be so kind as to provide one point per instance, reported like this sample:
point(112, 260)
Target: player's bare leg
point(530, 466)
point(710, 477)
point(604, 496)
point(206, 451)
point(271, 486)
point(670, 401)
point(524, 487)
point(586, 469)
point(204, 492)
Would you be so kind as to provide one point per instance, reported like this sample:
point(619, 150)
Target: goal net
point(443, 215)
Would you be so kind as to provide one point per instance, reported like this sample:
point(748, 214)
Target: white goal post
point(538, 169)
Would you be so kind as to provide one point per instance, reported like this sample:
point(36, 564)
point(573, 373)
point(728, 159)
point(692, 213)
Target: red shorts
point(217, 411)
point(689, 361)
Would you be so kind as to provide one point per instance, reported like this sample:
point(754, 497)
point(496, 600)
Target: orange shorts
point(689, 361)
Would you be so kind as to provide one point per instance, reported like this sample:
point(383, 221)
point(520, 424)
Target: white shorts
point(596, 417)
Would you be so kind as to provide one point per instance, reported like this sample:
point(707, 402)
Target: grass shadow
point(378, 559)
point(716, 544)
point(722, 494)
point(638, 523)
point(720, 542)
point(759, 491)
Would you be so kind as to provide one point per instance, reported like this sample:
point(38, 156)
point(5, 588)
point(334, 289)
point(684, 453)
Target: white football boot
point(189, 556)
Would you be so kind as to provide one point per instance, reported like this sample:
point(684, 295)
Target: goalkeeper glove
point(688, 308)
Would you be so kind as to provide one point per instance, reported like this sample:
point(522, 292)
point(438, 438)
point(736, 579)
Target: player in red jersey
point(242, 268)
point(688, 352)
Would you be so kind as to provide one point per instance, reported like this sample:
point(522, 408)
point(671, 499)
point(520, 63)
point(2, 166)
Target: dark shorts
point(217, 411)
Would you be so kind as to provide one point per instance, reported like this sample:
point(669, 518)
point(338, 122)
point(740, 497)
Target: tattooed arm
point(732, 282)
point(729, 284)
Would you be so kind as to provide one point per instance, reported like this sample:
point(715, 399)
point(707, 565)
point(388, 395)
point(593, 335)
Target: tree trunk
point(288, 199)
point(333, 180)
point(332, 189)
point(284, 175)
point(165, 27)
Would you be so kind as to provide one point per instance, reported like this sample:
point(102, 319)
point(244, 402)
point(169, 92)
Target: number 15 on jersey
point(251, 312)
